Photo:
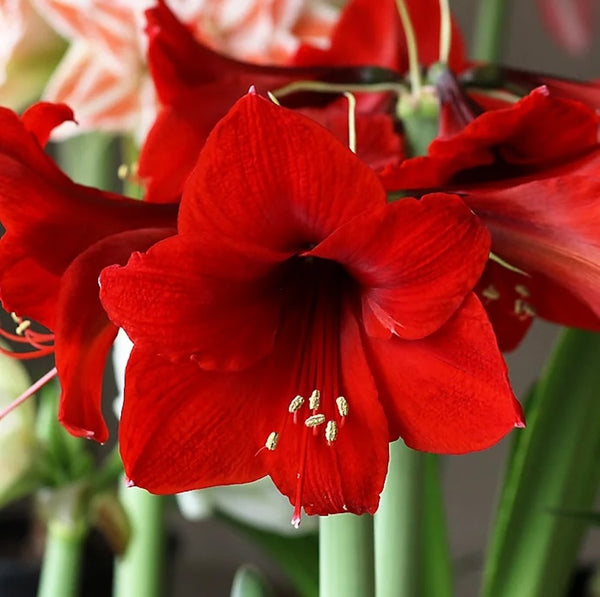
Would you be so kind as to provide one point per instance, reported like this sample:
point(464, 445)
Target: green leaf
point(297, 555)
point(553, 466)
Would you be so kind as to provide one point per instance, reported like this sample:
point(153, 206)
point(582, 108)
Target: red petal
point(182, 428)
point(221, 321)
point(416, 261)
point(448, 393)
point(550, 229)
point(377, 142)
point(84, 334)
point(279, 195)
point(366, 34)
point(42, 118)
point(518, 137)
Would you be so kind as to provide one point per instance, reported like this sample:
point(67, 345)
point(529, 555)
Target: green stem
point(398, 525)
point(140, 570)
point(61, 566)
point(346, 556)
point(490, 30)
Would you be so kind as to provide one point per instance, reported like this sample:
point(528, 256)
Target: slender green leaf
point(554, 466)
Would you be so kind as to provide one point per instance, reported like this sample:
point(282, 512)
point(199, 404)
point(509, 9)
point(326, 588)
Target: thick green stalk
point(61, 566)
point(140, 570)
point(398, 525)
point(346, 556)
point(436, 566)
point(490, 30)
point(553, 468)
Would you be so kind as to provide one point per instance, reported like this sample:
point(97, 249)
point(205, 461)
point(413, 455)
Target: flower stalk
point(398, 525)
point(346, 556)
point(61, 566)
point(140, 570)
point(489, 30)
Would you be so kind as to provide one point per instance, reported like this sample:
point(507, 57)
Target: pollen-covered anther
point(522, 290)
point(314, 400)
point(296, 404)
point(490, 293)
point(23, 325)
point(272, 440)
point(315, 420)
point(331, 432)
point(342, 406)
point(523, 309)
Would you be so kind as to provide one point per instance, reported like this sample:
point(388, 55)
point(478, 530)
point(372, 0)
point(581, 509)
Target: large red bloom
point(59, 235)
point(197, 86)
point(298, 322)
point(530, 172)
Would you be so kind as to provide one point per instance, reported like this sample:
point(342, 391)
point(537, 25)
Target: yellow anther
point(25, 323)
point(524, 309)
point(296, 404)
point(315, 400)
point(342, 405)
point(522, 290)
point(490, 293)
point(331, 431)
point(123, 171)
point(315, 420)
point(272, 440)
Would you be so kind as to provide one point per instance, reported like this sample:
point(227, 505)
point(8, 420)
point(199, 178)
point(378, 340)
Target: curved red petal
point(42, 118)
point(416, 260)
point(367, 33)
point(510, 142)
point(183, 428)
point(550, 228)
point(448, 393)
point(278, 195)
point(217, 319)
point(84, 333)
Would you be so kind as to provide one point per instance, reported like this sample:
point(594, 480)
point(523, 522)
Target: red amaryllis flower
point(297, 323)
point(530, 173)
point(197, 86)
point(59, 235)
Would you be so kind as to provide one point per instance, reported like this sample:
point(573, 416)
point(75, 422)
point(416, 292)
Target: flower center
point(317, 407)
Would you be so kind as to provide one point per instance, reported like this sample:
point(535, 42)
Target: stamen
point(342, 405)
point(315, 400)
point(331, 432)
point(23, 326)
point(522, 290)
point(30, 391)
point(490, 293)
point(272, 440)
point(296, 403)
point(523, 309)
point(315, 420)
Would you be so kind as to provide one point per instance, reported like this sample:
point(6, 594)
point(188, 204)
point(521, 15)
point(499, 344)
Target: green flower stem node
point(249, 582)
point(420, 120)
point(346, 556)
point(65, 510)
point(553, 468)
point(139, 571)
point(61, 565)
